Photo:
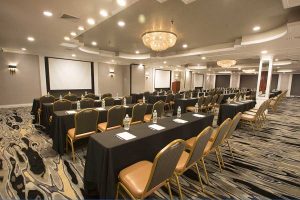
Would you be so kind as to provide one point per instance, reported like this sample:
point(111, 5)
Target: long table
point(107, 154)
point(184, 103)
point(62, 122)
point(231, 109)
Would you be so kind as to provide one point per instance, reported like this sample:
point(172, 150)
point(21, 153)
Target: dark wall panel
point(295, 89)
point(222, 81)
point(274, 81)
point(248, 81)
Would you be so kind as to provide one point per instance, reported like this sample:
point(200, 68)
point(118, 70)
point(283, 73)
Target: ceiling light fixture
point(94, 43)
point(249, 70)
point(224, 72)
point(284, 70)
point(91, 21)
point(23, 49)
point(67, 38)
point(121, 23)
point(203, 57)
point(256, 28)
point(276, 59)
point(226, 63)
point(159, 40)
point(283, 62)
point(184, 46)
point(103, 13)
point(264, 52)
point(165, 62)
point(73, 34)
point(73, 55)
point(121, 2)
point(137, 52)
point(48, 13)
point(81, 28)
point(31, 39)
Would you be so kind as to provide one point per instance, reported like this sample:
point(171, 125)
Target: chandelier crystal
point(159, 40)
point(226, 63)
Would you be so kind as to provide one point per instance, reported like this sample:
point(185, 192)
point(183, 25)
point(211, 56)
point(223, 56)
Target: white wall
point(137, 79)
point(235, 80)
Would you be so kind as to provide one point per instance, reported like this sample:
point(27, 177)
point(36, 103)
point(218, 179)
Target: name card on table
point(125, 136)
point(198, 115)
point(180, 121)
point(71, 112)
point(100, 109)
point(156, 127)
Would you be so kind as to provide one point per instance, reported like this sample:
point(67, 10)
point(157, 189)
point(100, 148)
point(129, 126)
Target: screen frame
point(73, 90)
point(170, 78)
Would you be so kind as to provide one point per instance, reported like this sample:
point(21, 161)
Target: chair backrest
point(70, 97)
point(159, 107)
point(46, 99)
point(106, 95)
point(237, 95)
point(128, 100)
point(164, 164)
point(207, 100)
point(109, 101)
point(201, 101)
point(115, 116)
point(138, 112)
point(221, 131)
point(234, 122)
point(169, 92)
point(197, 150)
point(87, 103)
point(146, 95)
point(219, 101)
point(214, 99)
point(86, 121)
point(62, 105)
point(91, 96)
point(169, 98)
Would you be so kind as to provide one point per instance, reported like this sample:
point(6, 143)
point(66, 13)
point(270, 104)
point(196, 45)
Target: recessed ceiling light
point(47, 13)
point(81, 28)
point(264, 52)
point(103, 13)
point(31, 39)
point(137, 52)
point(276, 59)
point(121, 2)
point(94, 43)
point(73, 33)
point(121, 23)
point(91, 21)
point(185, 46)
point(23, 49)
point(67, 38)
point(203, 57)
point(256, 28)
point(73, 55)
point(165, 62)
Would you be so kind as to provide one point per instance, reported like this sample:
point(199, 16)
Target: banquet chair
point(263, 116)
point(235, 121)
point(212, 104)
point(168, 100)
point(87, 103)
point(219, 101)
point(128, 100)
point(200, 103)
point(85, 125)
point(159, 107)
point(44, 99)
point(61, 105)
point(254, 120)
point(138, 113)
point(237, 95)
point(115, 116)
point(91, 96)
point(207, 100)
point(275, 101)
point(106, 95)
point(169, 92)
point(188, 160)
point(146, 95)
point(109, 101)
point(144, 177)
point(213, 144)
point(70, 97)
point(175, 97)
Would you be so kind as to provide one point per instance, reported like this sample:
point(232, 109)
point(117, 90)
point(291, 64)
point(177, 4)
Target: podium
point(175, 86)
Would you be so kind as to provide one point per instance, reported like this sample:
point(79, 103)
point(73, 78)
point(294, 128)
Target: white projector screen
point(69, 74)
point(162, 79)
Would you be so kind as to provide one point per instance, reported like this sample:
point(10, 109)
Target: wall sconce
point(147, 75)
point(12, 68)
point(111, 73)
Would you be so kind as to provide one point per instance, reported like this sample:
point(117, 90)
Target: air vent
point(66, 16)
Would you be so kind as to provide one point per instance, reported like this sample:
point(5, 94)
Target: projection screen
point(69, 74)
point(162, 79)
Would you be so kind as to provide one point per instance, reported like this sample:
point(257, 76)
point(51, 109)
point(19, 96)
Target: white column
point(42, 75)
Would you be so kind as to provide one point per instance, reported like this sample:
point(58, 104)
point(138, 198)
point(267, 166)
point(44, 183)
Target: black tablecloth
point(136, 97)
point(62, 122)
point(230, 110)
point(154, 98)
point(226, 96)
point(107, 154)
point(183, 103)
point(274, 94)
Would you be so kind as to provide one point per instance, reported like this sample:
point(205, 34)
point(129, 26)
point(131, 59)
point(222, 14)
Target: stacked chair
point(276, 100)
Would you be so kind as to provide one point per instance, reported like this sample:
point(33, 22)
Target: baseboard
point(16, 105)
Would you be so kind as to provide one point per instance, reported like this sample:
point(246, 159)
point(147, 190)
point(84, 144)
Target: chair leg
point(179, 187)
point(72, 147)
point(67, 144)
point(117, 194)
point(221, 157)
point(205, 171)
point(217, 156)
point(169, 189)
point(199, 176)
point(230, 149)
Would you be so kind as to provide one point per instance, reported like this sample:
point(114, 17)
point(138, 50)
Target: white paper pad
point(125, 136)
point(126, 106)
point(181, 121)
point(156, 127)
point(70, 112)
point(198, 115)
point(100, 108)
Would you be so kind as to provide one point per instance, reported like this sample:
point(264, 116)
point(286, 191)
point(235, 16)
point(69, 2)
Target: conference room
point(150, 99)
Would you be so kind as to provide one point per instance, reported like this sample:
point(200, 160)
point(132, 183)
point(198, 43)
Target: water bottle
point(99, 96)
point(48, 94)
point(124, 101)
point(191, 95)
point(78, 105)
point(103, 103)
point(198, 94)
point(154, 117)
point(144, 100)
point(196, 108)
point(60, 97)
point(126, 123)
point(184, 95)
point(85, 92)
point(69, 93)
point(82, 97)
point(178, 112)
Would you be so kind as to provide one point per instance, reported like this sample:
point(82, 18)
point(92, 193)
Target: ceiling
point(213, 29)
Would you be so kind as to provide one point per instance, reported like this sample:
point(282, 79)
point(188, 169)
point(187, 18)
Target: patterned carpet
point(266, 164)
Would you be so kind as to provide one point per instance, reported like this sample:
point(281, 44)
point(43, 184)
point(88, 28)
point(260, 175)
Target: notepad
point(70, 112)
point(180, 121)
point(198, 115)
point(100, 108)
point(125, 136)
point(156, 127)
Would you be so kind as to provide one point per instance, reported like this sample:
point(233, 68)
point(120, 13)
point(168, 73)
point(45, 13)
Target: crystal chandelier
point(226, 63)
point(159, 40)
